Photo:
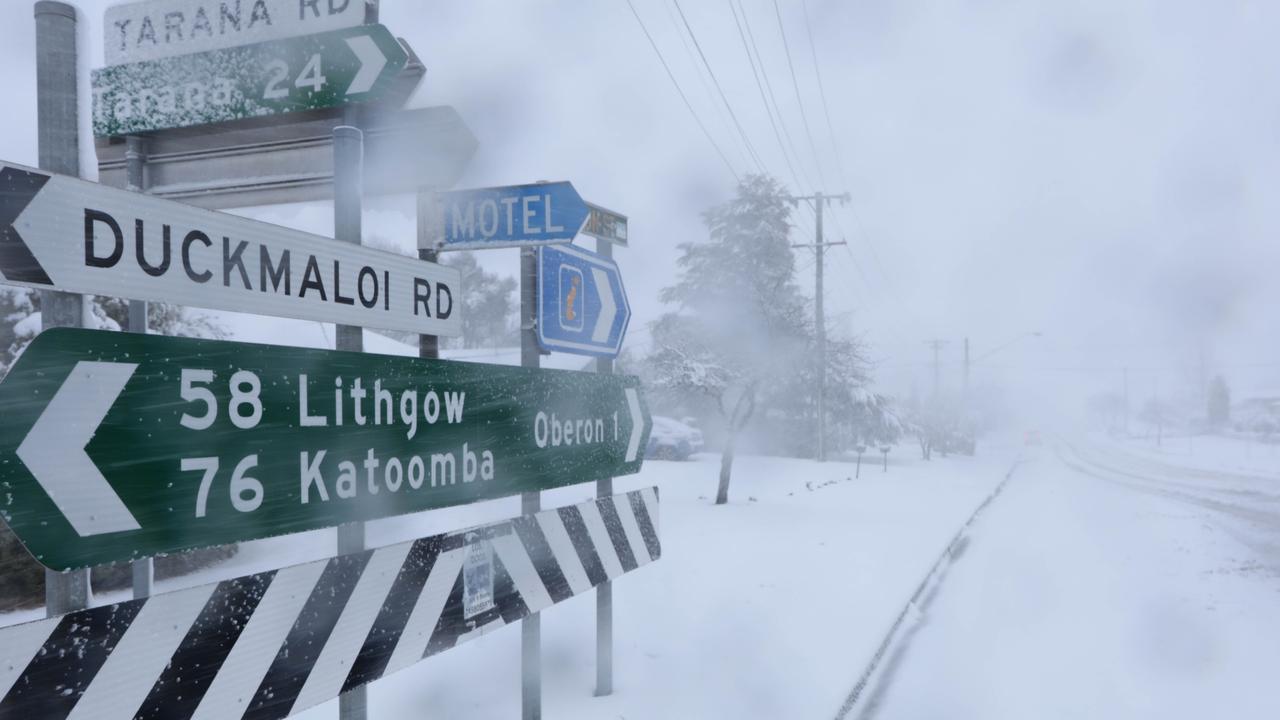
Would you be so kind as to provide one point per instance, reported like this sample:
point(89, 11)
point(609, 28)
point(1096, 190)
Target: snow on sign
point(62, 233)
point(163, 28)
point(278, 76)
point(115, 446)
point(273, 644)
point(582, 306)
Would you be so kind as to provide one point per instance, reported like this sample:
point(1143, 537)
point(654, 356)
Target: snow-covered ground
point(1106, 582)
point(766, 608)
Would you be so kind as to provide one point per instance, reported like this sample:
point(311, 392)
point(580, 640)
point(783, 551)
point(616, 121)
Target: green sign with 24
point(268, 78)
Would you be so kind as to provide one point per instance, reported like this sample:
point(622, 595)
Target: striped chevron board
point(275, 643)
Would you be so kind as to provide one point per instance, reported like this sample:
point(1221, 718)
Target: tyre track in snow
point(1255, 526)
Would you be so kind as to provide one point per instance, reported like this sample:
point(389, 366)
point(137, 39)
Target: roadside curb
point(851, 701)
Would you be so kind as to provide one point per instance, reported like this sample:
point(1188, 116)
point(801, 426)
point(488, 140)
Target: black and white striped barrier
point(275, 643)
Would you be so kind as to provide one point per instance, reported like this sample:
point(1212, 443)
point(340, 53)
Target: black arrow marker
point(17, 189)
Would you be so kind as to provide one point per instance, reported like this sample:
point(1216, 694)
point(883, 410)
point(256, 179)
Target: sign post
point(62, 232)
point(310, 72)
point(59, 150)
point(530, 502)
point(582, 306)
point(115, 446)
point(348, 172)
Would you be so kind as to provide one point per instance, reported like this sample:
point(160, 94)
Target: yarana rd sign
point(67, 234)
point(115, 446)
point(164, 28)
point(510, 216)
point(278, 76)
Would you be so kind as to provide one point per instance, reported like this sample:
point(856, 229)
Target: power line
point(777, 108)
point(804, 117)
point(822, 93)
point(683, 97)
point(725, 124)
point(763, 99)
point(716, 81)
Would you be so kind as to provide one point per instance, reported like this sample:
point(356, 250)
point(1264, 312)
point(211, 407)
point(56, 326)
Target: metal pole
point(604, 591)
point(428, 235)
point(58, 134)
point(135, 156)
point(1126, 402)
point(348, 170)
point(530, 502)
point(820, 320)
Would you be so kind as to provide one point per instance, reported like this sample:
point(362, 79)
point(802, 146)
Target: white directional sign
point(68, 234)
point(163, 28)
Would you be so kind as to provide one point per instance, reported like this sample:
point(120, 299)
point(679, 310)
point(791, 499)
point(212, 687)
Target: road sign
point(269, 645)
point(606, 225)
point(59, 232)
point(404, 151)
point(163, 28)
point(115, 446)
point(582, 306)
point(511, 216)
point(302, 73)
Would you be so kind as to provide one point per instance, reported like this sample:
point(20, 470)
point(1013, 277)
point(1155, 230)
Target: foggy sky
point(1097, 171)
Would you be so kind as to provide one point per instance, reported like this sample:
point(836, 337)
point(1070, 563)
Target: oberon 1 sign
point(62, 233)
point(164, 28)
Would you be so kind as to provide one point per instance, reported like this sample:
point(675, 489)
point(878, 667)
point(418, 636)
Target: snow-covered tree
point(875, 423)
point(738, 328)
point(20, 320)
point(487, 305)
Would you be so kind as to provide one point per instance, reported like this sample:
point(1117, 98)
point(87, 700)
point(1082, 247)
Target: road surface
point(1101, 584)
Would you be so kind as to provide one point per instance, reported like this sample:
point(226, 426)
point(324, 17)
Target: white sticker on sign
point(477, 579)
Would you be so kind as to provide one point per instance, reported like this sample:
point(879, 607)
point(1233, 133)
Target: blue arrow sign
point(512, 216)
point(582, 306)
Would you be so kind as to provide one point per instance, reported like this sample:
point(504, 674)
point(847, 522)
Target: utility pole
point(965, 397)
point(937, 346)
point(819, 311)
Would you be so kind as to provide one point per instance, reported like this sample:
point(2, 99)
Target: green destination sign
point(300, 73)
point(116, 446)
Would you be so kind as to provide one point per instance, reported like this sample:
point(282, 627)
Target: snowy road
point(1102, 584)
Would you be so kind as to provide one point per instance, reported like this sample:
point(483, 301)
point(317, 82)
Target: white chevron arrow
point(54, 449)
point(637, 423)
point(371, 63)
point(608, 307)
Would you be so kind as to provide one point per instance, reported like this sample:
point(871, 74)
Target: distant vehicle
point(672, 440)
point(697, 442)
point(1032, 437)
